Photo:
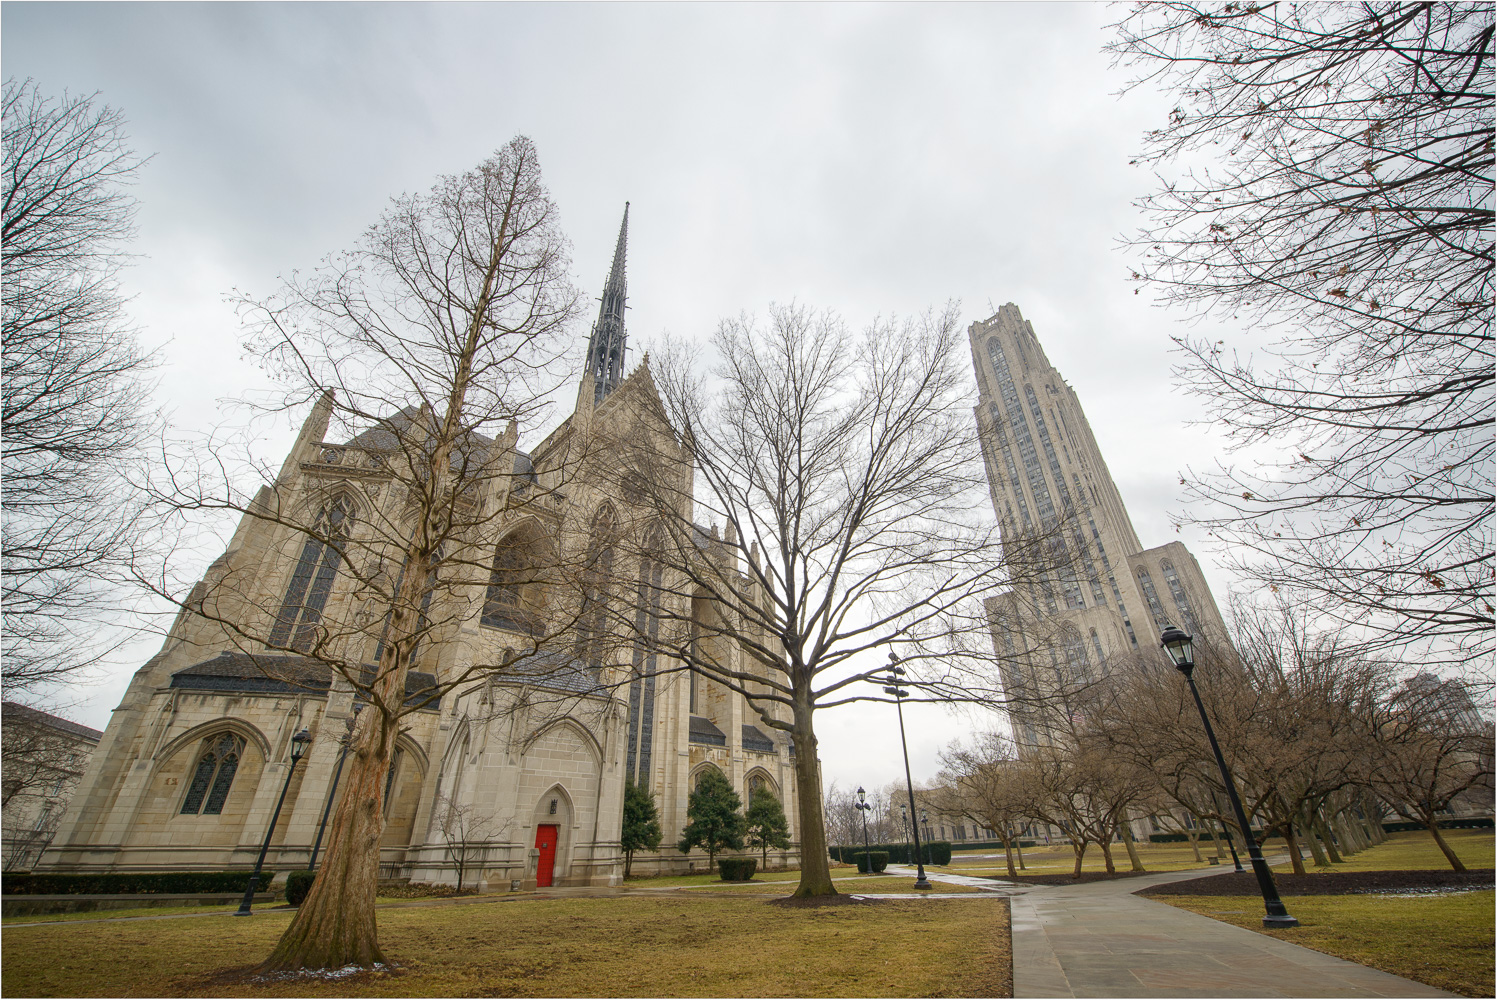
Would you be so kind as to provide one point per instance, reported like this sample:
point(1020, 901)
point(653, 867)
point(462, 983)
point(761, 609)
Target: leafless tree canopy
point(846, 478)
point(71, 418)
point(1345, 215)
point(422, 351)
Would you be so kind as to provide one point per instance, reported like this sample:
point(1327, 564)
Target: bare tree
point(847, 477)
point(454, 304)
point(1349, 217)
point(72, 418)
point(1429, 749)
point(464, 835)
point(989, 788)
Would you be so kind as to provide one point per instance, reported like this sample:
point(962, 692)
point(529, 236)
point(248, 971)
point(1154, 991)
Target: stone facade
point(489, 766)
point(1111, 599)
point(45, 756)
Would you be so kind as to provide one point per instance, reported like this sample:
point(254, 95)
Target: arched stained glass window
point(593, 626)
point(214, 775)
point(312, 580)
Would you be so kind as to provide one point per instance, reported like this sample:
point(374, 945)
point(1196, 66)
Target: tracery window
point(312, 580)
point(214, 775)
point(514, 595)
point(592, 628)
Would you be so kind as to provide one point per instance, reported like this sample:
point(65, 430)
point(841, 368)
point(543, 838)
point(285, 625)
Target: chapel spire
point(605, 348)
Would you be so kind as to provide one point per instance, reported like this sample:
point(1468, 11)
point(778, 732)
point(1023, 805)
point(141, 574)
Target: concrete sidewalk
point(1097, 939)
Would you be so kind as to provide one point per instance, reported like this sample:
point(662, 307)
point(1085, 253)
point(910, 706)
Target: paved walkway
point(1097, 939)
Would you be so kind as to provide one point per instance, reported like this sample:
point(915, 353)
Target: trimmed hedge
point(873, 860)
point(109, 883)
point(1473, 823)
point(298, 884)
point(737, 869)
point(937, 853)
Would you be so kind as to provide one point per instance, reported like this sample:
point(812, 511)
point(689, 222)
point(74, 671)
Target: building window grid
point(1038, 488)
point(1155, 607)
point(1043, 430)
point(1178, 593)
point(1107, 565)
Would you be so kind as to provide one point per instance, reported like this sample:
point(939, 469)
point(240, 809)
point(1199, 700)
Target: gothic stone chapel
point(195, 757)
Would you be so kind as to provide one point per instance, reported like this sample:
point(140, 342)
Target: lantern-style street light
point(1180, 647)
point(862, 806)
point(892, 688)
point(299, 744)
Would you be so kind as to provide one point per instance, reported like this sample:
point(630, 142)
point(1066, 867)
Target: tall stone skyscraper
point(1102, 597)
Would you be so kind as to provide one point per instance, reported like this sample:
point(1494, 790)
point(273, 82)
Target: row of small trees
point(714, 822)
point(1322, 742)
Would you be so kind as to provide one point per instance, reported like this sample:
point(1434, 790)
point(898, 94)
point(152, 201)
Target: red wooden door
point(545, 839)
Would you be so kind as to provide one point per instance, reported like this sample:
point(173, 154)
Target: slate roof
point(754, 739)
point(703, 731)
point(553, 670)
point(12, 713)
point(269, 673)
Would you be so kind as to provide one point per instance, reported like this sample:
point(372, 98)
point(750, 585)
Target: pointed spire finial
point(605, 348)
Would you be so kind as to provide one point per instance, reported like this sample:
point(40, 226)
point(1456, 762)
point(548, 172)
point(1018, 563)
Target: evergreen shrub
point(298, 884)
point(873, 861)
point(737, 869)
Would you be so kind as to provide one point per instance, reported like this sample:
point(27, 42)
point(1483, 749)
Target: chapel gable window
point(213, 775)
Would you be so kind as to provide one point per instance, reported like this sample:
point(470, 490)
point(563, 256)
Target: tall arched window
point(214, 775)
point(648, 596)
point(1182, 602)
point(1155, 608)
point(312, 580)
point(592, 628)
point(513, 600)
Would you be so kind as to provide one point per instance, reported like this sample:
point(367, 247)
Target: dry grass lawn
point(1445, 941)
point(668, 946)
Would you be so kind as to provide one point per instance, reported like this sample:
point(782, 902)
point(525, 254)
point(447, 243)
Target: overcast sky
point(871, 159)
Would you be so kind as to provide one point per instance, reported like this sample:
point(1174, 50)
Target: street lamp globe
point(299, 744)
point(1180, 647)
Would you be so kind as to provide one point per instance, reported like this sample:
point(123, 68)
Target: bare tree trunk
point(1216, 842)
point(1323, 830)
point(1008, 855)
point(1296, 859)
point(1318, 852)
point(1434, 831)
point(1106, 846)
point(628, 862)
point(335, 927)
point(1194, 836)
point(1135, 863)
point(1079, 846)
point(1019, 849)
point(815, 870)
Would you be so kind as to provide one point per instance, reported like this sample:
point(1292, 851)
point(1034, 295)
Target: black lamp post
point(904, 825)
point(862, 806)
point(1178, 645)
point(1227, 832)
point(893, 688)
point(299, 744)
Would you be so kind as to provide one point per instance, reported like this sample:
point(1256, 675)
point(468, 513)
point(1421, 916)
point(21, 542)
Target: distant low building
point(44, 757)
